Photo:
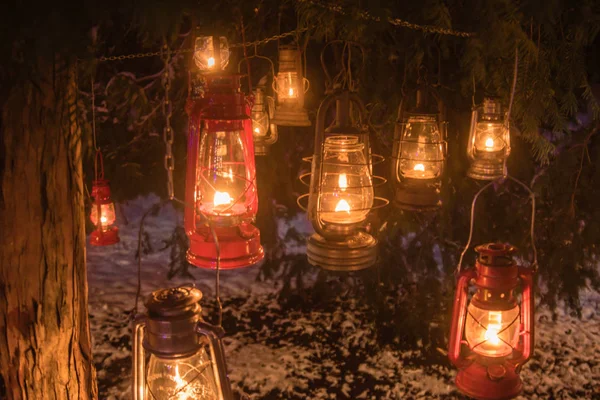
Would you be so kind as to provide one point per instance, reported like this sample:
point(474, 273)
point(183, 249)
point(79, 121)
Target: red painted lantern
point(492, 334)
point(221, 177)
point(106, 232)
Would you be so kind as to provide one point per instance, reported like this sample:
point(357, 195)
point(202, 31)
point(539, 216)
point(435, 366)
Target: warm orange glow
point(489, 143)
point(494, 326)
point(256, 130)
point(290, 92)
point(419, 167)
point(342, 205)
point(211, 62)
point(343, 182)
point(107, 215)
point(222, 199)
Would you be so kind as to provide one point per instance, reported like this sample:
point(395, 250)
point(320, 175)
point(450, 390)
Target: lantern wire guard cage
point(221, 176)
point(419, 152)
point(492, 335)
point(489, 140)
point(262, 110)
point(290, 86)
point(341, 191)
point(186, 355)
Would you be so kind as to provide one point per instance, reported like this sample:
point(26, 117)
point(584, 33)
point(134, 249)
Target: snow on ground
point(275, 351)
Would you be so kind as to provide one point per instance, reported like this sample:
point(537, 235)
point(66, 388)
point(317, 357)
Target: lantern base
point(107, 238)
point(356, 253)
point(491, 382)
point(486, 168)
point(239, 247)
point(290, 117)
point(418, 195)
point(261, 149)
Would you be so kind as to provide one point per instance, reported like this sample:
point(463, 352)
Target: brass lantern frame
point(418, 194)
point(345, 248)
point(491, 165)
point(291, 113)
point(177, 332)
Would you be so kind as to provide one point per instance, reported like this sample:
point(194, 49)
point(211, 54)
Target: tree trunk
point(45, 348)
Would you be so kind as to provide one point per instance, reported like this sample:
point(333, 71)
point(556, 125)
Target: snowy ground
point(280, 352)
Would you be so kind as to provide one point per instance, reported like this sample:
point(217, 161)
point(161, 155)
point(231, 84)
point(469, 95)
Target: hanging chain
point(191, 50)
point(331, 7)
point(393, 21)
point(168, 131)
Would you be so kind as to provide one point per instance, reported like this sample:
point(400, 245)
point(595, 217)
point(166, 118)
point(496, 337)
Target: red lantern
point(496, 330)
point(221, 177)
point(106, 232)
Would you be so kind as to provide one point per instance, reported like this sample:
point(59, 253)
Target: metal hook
point(346, 69)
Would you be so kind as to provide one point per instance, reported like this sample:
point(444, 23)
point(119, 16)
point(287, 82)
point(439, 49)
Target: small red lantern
point(106, 232)
point(221, 177)
point(497, 331)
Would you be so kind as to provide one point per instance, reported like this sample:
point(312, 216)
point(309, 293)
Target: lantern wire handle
point(343, 79)
point(255, 55)
point(534, 263)
point(245, 52)
point(98, 151)
point(155, 208)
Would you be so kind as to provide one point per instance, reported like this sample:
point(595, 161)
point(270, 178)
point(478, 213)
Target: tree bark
point(45, 348)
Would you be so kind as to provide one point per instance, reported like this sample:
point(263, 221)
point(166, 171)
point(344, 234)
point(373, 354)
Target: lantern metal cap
point(171, 322)
point(497, 254)
point(496, 269)
point(491, 108)
point(173, 302)
point(101, 189)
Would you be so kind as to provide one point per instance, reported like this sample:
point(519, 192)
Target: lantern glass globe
point(222, 177)
point(189, 378)
point(346, 195)
point(492, 333)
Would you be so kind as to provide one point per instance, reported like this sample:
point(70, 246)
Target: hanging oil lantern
point(264, 130)
point(341, 190)
point(419, 153)
point(103, 215)
point(489, 141)
point(290, 86)
point(492, 333)
point(221, 177)
point(186, 357)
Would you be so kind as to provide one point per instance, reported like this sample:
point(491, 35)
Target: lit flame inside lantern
point(103, 220)
point(343, 182)
point(494, 326)
point(256, 130)
point(419, 167)
point(291, 92)
point(342, 205)
point(211, 62)
point(183, 390)
point(489, 143)
point(222, 199)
